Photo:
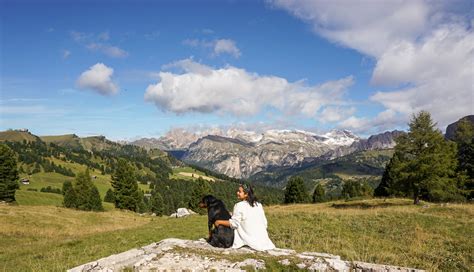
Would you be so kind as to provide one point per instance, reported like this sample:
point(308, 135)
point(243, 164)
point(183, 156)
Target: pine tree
point(424, 163)
point(200, 189)
point(95, 202)
point(157, 204)
point(356, 188)
point(124, 182)
point(109, 196)
point(69, 200)
point(295, 191)
point(66, 186)
point(464, 138)
point(319, 195)
point(87, 195)
point(8, 174)
point(383, 188)
point(82, 187)
point(142, 204)
point(37, 168)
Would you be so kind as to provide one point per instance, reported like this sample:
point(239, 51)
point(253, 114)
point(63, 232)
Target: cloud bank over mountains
point(235, 91)
point(425, 49)
point(423, 53)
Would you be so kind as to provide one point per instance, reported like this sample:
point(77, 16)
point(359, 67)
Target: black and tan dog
point(221, 236)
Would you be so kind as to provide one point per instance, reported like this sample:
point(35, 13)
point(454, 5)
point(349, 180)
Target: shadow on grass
point(364, 205)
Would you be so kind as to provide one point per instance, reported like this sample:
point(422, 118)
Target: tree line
point(425, 166)
point(168, 195)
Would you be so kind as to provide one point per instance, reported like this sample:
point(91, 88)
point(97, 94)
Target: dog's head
point(207, 201)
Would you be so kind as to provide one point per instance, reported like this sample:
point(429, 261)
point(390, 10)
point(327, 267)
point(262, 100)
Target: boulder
point(187, 255)
point(182, 212)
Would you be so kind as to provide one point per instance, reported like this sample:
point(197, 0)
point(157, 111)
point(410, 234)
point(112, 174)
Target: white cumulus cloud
point(95, 42)
point(335, 114)
point(109, 50)
point(98, 78)
point(235, 91)
point(426, 45)
point(218, 47)
point(226, 46)
point(66, 53)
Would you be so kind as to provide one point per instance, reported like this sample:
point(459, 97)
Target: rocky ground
point(186, 255)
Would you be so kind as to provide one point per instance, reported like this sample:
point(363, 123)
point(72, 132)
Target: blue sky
point(128, 69)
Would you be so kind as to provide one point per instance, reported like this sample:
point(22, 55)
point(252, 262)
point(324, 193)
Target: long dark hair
point(251, 198)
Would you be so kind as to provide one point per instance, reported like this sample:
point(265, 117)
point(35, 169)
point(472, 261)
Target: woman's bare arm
point(222, 222)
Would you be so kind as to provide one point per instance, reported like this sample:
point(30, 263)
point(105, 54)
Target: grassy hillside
point(433, 237)
point(55, 180)
point(364, 166)
point(52, 160)
point(32, 198)
point(68, 140)
point(188, 173)
point(17, 136)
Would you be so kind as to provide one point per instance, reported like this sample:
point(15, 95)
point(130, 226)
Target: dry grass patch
point(53, 222)
point(48, 238)
point(431, 236)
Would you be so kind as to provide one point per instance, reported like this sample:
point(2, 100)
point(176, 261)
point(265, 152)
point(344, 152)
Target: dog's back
point(218, 211)
point(221, 236)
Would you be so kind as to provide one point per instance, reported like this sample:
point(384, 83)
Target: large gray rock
point(186, 255)
point(451, 128)
point(182, 212)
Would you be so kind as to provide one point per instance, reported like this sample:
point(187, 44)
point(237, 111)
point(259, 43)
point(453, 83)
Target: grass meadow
point(38, 235)
point(55, 180)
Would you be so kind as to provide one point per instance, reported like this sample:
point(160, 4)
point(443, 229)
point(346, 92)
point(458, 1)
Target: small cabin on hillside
point(25, 181)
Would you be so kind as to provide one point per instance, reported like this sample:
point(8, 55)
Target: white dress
point(250, 227)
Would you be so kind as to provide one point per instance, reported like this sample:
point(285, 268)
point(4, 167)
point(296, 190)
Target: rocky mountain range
point(241, 154)
point(242, 159)
point(375, 142)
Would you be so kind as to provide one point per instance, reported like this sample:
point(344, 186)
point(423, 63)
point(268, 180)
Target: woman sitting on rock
point(248, 221)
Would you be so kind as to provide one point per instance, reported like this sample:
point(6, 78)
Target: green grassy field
point(434, 237)
point(55, 180)
point(31, 198)
point(178, 170)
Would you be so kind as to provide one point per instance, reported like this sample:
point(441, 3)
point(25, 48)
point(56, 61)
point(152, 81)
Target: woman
point(248, 221)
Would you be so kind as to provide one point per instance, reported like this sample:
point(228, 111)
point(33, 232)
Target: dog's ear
point(212, 200)
point(206, 200)
point(202, 203)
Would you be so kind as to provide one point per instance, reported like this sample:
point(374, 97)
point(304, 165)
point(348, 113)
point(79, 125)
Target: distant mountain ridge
point(67, 140)
point(241, 154)
point(385, 140)
point(451, 129)
point(60, 152)
point(241, 159)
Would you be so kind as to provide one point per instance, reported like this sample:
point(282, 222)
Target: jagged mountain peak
point(179, 139)
point(278, 148)
point(340, 137)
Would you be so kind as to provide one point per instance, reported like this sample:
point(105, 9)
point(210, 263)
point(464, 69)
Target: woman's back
point(250, 226)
